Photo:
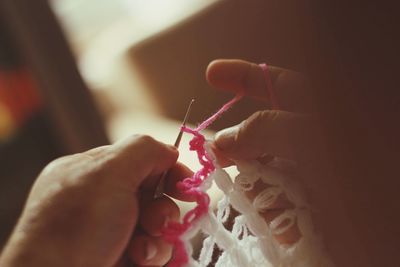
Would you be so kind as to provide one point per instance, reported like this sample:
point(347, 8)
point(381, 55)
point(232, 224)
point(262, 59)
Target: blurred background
point(75, 74)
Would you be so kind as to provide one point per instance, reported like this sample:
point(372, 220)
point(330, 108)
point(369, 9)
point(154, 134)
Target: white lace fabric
point(251, 241)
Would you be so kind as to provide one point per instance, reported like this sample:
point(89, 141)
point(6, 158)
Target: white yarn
point(251, 241)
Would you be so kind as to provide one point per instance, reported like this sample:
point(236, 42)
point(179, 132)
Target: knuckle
point(54, 166)
point(145, 140)
point(263, 116)
point(70, 172)
point(138, 143)
point(258, 121)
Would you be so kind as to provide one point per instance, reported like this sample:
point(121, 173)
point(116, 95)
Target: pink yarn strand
point(191, 187)
point(217, 114)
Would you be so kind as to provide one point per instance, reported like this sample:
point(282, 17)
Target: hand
point(96, 209)
point(292, 134)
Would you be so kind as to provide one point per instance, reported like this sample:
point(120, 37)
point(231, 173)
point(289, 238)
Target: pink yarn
point(191, 187)
point(271, 92)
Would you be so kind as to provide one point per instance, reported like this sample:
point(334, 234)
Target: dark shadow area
point(22, 158)
point(173, 63)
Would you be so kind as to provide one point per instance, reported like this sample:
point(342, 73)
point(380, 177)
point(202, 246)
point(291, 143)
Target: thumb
point(279, 133)
point(141, 156)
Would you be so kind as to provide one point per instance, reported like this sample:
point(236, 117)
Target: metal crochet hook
point(159, 192)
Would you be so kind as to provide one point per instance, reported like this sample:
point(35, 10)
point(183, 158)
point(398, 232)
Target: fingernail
point(226, 138)
point(151, 251)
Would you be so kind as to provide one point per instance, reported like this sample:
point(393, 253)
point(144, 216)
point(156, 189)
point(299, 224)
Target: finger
point(123, 261)
point(146, 250)
point(222, 159)
point(279, 133)
point(176, 174)
point(236, 76)
point(97, 151)
point(156, 214)
point(140, 156)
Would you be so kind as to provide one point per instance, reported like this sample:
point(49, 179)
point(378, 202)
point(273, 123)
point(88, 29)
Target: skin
point(292, 133)
point(96, 208)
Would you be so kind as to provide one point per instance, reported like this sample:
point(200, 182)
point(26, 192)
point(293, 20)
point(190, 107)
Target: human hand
point(292, 133)
point(96, 209)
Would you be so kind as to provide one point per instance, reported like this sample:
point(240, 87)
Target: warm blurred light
point(160, 14)
point(85, 19)
point(6, 123)
point(101, 31)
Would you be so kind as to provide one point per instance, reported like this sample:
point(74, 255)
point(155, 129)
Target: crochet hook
point(159, 192)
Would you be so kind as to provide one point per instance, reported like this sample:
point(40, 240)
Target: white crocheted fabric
point(251, 241)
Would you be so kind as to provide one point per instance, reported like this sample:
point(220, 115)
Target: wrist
point(20, 251)
point(28, 249)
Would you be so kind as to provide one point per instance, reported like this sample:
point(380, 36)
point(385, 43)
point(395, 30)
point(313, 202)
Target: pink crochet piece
point(250, 241)
point(190, 187)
